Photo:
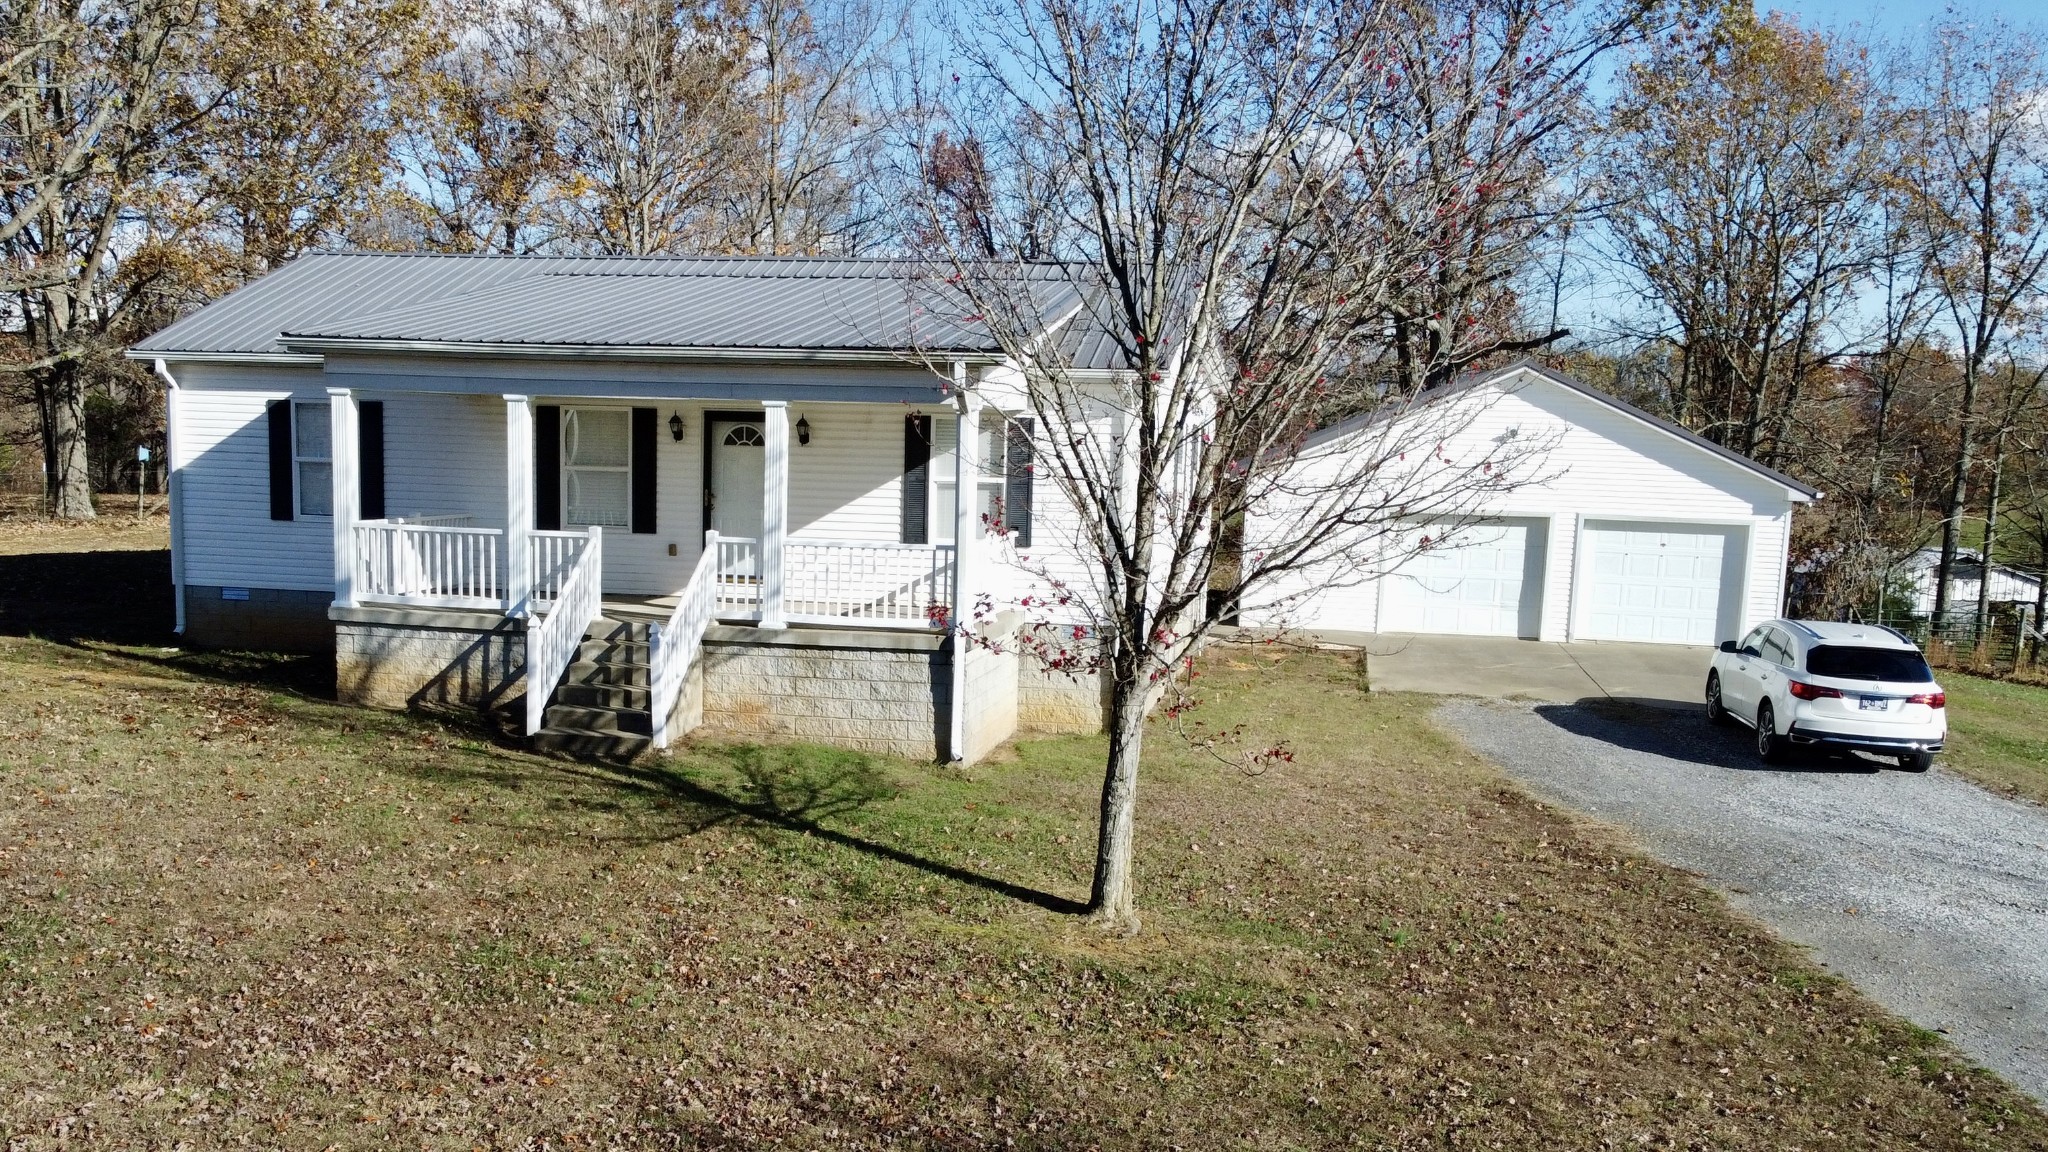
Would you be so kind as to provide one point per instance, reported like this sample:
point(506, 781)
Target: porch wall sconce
point(803, 430)
point(675, 426)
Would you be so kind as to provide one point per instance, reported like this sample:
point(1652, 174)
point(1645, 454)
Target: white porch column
point(774, 513)
point(518, 506)
point(342, 452)
point(966, 545)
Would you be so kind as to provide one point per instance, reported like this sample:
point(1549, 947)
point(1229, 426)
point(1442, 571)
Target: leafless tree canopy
point(1281, 215)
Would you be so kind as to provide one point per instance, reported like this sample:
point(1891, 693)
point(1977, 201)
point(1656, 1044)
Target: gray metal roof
point(711, 303)
point(1473, 379)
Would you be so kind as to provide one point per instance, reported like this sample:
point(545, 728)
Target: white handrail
point(553, 639)
point(550, 553)
point(672, 647)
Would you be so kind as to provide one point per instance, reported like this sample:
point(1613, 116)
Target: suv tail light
point(1931, 699)
point(1807, 691)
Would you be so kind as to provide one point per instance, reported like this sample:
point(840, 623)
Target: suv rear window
point(1867, 664)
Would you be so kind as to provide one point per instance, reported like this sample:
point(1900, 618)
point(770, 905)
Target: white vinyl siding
point(223, 435)
point(445, 455)
point(1605, 465)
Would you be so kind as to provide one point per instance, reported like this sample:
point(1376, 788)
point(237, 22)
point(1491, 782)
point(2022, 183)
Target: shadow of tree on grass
point(775, 789)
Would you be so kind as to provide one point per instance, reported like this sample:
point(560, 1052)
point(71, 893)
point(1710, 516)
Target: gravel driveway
point(1928, 892)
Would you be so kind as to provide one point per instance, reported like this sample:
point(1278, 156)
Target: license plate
point(1873, 703)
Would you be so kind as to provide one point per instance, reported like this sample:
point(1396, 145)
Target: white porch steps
point(600, 709)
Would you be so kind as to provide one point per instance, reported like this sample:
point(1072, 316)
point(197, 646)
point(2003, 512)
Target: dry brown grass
point(230, 913)
point(234, 915)
point(24, 528)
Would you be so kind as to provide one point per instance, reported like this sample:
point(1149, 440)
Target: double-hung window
point(597, 467)
point(313, 456)
point(988, 486)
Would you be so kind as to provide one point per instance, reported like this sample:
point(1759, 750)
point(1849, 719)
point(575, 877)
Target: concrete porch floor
point(1668, 675)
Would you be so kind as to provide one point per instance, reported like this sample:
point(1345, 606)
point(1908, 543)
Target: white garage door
point(1486, 582)
point(1656, 583)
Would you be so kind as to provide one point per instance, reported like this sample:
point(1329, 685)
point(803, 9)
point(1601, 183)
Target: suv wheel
point(1917, 761)
point(1770, 747)
point(1716, 712)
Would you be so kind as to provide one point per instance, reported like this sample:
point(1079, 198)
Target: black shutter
point(643, 470)
point(917, 473)
point(1017, 480)
point(370, 458)
point(547, 467)
point(281, 460)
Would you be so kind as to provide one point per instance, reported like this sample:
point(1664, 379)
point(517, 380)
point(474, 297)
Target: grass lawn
point(233, 913)
point(1998, 734)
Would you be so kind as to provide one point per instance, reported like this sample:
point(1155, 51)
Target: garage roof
point(1472, 380)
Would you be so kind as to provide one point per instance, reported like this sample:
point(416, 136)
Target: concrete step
point(592, 743)
point(607, 628)
point(600, 719)
point(629, 651)
point(609, 672)
point(629, 696)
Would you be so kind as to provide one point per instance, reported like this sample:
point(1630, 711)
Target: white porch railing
point(843, 582)
point(552, 554)
point(552, 640)
point(736, 582)
point(672, 647)
point(429, 561)
point(440, 562)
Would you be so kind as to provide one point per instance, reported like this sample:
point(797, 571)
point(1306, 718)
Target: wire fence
point(2009, 639)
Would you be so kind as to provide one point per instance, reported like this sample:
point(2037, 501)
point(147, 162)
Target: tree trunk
point(1112, 900)
point(1990, 536)
point(1958, 491)
point(70, 472)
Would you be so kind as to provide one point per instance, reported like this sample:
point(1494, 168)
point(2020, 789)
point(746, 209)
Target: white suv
point(1801, 683)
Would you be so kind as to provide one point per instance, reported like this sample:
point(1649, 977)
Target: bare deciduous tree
point(134, 134)
point(1218, 178)
point(1746, 169)
point(1980, 152)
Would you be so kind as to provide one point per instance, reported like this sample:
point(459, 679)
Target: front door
point(738, 463)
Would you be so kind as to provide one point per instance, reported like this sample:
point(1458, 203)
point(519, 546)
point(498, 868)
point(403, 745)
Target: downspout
point(174, 489)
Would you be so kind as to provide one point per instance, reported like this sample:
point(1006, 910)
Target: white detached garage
point(1638, 531)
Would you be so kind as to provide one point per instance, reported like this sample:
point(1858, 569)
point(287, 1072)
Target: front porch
point(517, 602)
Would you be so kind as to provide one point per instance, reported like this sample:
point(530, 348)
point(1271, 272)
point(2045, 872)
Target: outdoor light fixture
point(675, 426)
point(803, 430)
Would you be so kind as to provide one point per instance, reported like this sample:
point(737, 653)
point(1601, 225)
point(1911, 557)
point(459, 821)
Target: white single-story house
point(1634, 529)
point(2008, 585)
point(638, 494)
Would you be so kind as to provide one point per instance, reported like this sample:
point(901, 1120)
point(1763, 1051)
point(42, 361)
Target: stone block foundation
point(889, 692)
point(870, 690)
point(409, 658)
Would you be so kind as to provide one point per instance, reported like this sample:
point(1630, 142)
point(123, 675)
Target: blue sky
point(1900, 16)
